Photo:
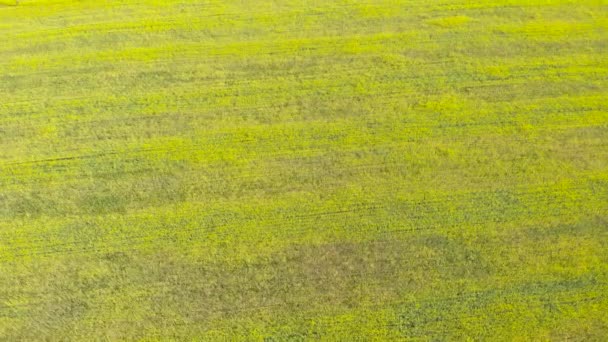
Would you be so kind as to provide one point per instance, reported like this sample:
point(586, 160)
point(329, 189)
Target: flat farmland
point(281, 170)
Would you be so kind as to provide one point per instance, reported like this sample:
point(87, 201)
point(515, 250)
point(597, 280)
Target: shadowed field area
point(303, 170)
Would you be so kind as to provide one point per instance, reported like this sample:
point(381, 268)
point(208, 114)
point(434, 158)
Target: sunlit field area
point(294, 170)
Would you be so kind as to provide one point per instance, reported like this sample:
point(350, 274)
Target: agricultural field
point(294, 170)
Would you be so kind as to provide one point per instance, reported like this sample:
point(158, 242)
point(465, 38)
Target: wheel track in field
point(469, 296)
point(472, 210)
point(267, 142)
point(539, 294)
point(330, 46)
point(169, 22)
point(238, 78)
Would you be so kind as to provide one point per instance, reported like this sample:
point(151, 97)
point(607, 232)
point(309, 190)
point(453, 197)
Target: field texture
point(275, 170)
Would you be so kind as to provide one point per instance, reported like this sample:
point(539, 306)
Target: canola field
point(295, 170)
